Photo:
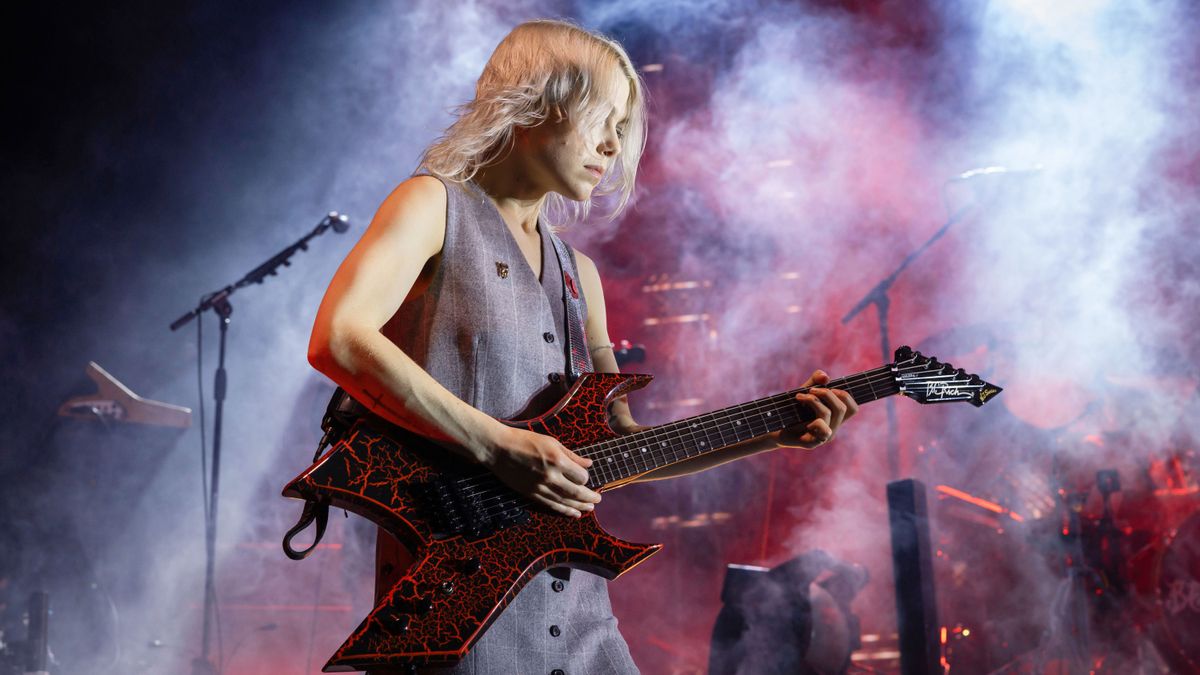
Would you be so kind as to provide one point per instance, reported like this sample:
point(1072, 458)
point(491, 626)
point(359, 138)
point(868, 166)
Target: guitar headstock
point(927, 380)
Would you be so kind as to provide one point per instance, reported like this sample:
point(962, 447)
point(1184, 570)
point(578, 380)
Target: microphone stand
point(878, 296)
point(218, 302)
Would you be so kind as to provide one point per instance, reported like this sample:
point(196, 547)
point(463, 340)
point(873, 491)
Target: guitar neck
point(621, 458)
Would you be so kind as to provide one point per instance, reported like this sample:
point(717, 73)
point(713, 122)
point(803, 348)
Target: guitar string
point(503, 500)
point(716, 421)
point(720, 422)
point(597, 449)
point(506, 502)
point(654, 434)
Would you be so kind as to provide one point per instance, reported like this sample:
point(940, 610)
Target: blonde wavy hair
point(541, 70)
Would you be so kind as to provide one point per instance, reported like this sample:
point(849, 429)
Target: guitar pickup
point(473, 506)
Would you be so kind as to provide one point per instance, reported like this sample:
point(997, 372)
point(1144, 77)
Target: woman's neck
point(517, 199)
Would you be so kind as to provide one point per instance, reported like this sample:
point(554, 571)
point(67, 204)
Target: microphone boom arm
point(339, 223)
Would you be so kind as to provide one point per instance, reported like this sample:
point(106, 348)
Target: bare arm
point(830, 407)
point(393, 259)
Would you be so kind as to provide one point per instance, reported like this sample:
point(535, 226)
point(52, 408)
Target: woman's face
point(570, 158)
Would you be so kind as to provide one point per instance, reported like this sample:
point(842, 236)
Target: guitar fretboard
point(627, 456)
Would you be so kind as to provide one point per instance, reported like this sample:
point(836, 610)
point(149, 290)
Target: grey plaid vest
point(494, 334)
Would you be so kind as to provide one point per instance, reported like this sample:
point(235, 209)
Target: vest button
point(548, 337)
point(555, 631)
point(558, 586)
point(555, 377)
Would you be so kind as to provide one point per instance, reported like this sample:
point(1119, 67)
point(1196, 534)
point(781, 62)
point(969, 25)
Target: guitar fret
point(674, 442)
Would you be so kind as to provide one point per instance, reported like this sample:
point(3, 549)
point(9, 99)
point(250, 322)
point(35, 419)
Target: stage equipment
point(114, 402)
point(912, 564)
point(1167, 577)
point(218, 302)
point(476, 543)
point(793, 619)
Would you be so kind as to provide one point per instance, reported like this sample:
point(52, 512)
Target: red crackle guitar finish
point(476, 543)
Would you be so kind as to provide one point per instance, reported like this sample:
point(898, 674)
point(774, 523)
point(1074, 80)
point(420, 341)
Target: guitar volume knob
point(447, 587)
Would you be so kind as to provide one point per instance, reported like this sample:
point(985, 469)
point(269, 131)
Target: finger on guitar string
point(827, 408)
point(575, 493)
point(540, 467)
point(549, 492)
point(834, 403)
point(806, 435)
point(576, 468)
point(816, 405)
point(818, 378)
point(819, 431)
point(556, 507)
point(848, 401)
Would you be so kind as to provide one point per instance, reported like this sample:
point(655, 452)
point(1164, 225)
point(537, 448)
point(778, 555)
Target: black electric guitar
point(476, 543)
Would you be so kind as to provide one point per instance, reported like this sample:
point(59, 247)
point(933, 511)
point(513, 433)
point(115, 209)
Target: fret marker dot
point(739, 422)
point(701, 442)
point(693, 425)
point(610, 459)
point(626, 454)
point(664, 444)
point(768, 414)
point(643, 449)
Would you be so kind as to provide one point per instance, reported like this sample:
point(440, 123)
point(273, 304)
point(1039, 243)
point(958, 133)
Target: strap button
point(555, 377)
point(548, 336)
point(558, 586)
point(555, 631)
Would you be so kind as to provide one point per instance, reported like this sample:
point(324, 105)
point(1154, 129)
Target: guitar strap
point(340, 415)
point(579, 361)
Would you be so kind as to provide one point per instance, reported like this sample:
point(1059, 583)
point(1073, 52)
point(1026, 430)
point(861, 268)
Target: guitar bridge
point(473, 506)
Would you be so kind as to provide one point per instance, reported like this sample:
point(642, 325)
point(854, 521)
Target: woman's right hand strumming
point(541, 468)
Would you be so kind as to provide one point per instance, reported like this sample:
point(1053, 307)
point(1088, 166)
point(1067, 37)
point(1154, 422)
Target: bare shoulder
point(412, 219)
point(425, 189)
point(420, 198)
